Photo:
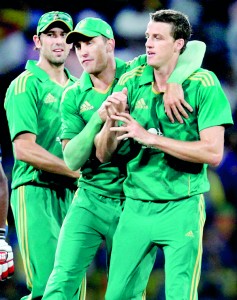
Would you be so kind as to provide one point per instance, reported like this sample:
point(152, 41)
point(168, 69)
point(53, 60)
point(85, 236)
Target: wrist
point(100, 116)
point(2, 233)
point(110, 122)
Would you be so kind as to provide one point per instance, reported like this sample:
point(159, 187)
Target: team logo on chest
point(50, 98)
point(141, 104)
point(86, 106)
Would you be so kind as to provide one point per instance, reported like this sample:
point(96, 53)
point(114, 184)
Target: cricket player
point(42, 185)
point(166, 179)
point(6, 254)
point(97, 206)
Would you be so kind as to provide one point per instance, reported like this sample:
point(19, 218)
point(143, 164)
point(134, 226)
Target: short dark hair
point(181, 27)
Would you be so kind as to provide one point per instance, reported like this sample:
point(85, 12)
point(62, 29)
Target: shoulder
point(71, 91)
point(23, 84)
point(205, 77)
point(137, 61)
point(132, 76)
point(25, 80)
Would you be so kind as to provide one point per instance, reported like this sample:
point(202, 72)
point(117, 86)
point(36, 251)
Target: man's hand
point(132, 129)
point(115, 103)
point(174, 103)
point(6, 260)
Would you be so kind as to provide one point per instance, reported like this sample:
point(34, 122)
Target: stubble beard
point(57, 61)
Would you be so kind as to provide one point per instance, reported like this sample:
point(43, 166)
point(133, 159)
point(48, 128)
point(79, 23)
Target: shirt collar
point(85, 80)
point(32, 66)
point(147, 75)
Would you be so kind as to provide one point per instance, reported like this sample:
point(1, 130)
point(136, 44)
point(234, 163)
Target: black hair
point(181, 27)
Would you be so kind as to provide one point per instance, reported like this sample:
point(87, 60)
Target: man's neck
point(56, 73)
point(161, 75)
point(103, 80)
point(160, 83)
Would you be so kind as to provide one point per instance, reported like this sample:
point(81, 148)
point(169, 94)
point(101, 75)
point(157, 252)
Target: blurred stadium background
point(215, 23)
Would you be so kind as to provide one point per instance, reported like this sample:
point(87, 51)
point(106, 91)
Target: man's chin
point(58, 62)
point(151, 64)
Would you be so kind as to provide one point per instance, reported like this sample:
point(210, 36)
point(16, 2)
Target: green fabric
point(79, 103)
point(38, 243)
point(33, 105)
point(152, 174)
point(76, 157)
point(189, 61)
point(51, 17)
point(142, 227)
point(82, 239)
point(90, 27)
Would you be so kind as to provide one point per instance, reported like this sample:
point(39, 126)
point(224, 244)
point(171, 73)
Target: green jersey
point(79, 103)
point(82, 100)
point(152, 174)
point(32, 105)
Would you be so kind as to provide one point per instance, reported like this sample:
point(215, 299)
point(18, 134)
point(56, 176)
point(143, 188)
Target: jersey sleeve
point(189, 61)
point(72, 123)
point(21, 107)
point(214, 107)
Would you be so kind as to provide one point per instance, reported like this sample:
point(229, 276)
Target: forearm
point(78, 150)
point(38, 157)
point(189, 61)
point(193, 151)
point(208, 149)
point(4, 196)
point(106, 142)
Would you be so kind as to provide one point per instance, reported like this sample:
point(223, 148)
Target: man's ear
point(37, 41)
point(179, 44)
point(111, 45)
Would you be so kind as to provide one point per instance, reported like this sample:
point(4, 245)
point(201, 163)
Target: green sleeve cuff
point(189, 61)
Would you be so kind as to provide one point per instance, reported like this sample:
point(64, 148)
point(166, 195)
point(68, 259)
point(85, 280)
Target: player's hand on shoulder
point(175, 105)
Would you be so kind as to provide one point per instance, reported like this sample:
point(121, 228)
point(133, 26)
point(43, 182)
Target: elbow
point(67, 157)
point(74, 164)
point(215, 159)
point(69, 163)
point(71, 166)
point(103, 160)
point(101, 157)
point(19, 153)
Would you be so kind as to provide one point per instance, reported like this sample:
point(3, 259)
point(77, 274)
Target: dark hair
point(181, 27)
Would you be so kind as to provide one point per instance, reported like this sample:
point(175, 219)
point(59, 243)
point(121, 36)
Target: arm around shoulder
point(189, 61)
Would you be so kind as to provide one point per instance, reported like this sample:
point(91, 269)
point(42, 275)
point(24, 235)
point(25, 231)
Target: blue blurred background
point(215, 23)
